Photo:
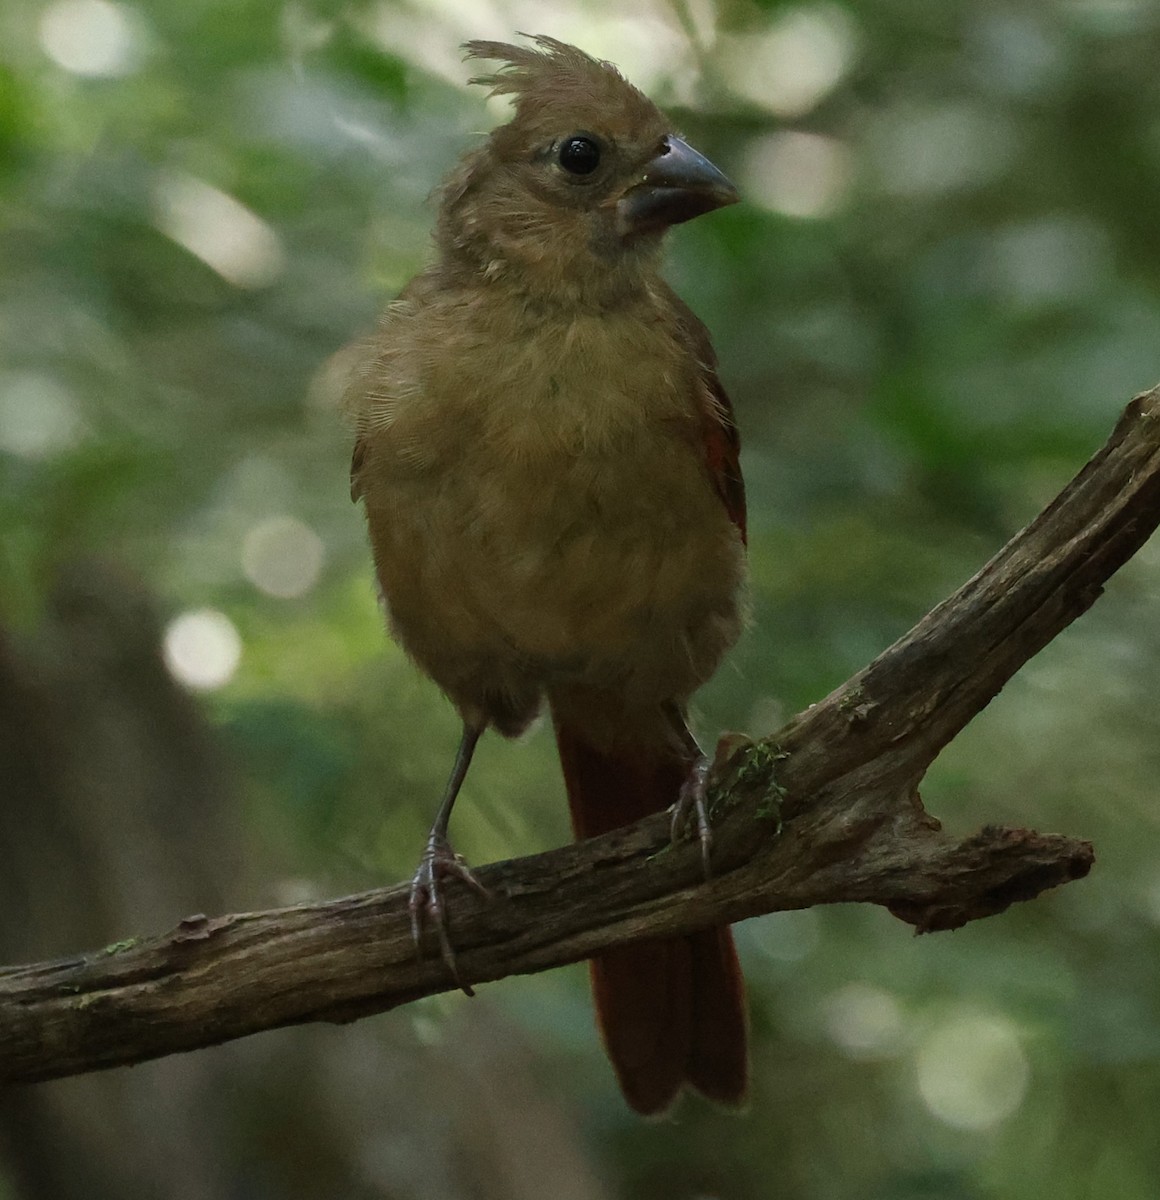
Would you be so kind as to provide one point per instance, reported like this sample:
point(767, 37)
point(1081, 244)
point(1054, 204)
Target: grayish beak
point(678, 185)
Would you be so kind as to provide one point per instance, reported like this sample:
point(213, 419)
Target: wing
point(723, 452)
point(721, 437)
point(348, 371)
point(356, 464)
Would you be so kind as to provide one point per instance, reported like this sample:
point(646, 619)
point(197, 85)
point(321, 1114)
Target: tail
point(671, 1010)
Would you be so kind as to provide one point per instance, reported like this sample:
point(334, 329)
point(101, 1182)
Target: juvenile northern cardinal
point(549, 468)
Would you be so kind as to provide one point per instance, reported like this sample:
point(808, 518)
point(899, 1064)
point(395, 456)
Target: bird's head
point(569, 199)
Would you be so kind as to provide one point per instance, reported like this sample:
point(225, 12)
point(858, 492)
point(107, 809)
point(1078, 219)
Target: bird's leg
point(691, 802)
point(440, 860)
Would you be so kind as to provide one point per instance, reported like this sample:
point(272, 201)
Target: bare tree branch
point(825, 810)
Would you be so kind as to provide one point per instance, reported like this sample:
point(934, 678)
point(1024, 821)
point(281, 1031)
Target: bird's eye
point(579, 155)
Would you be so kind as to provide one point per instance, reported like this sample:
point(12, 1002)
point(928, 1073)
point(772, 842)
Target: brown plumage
point(549, 469)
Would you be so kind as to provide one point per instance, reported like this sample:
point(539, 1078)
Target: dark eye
point(579, 155)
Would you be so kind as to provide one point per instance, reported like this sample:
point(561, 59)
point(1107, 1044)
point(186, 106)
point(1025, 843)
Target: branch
point(825, 810)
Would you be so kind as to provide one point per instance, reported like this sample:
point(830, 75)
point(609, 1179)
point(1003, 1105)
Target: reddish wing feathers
point(723, 454)
point(722, 440)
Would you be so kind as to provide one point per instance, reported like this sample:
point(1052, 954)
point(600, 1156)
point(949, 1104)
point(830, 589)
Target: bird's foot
point(427, 904)
point(692, 807)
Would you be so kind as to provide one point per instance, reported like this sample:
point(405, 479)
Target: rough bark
point(823, 811)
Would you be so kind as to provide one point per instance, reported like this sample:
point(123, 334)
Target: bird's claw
point(692, 805)
point(427, 905)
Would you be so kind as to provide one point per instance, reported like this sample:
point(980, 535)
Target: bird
point(549, 467)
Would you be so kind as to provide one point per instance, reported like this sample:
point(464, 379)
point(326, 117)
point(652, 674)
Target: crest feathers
point(551, 72)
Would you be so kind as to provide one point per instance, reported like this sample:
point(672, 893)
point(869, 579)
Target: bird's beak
point(676, 186)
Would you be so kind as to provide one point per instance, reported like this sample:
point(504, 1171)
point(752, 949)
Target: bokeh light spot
point(1017, 52)
point(940, 149)
point(89, 37)
point(794, 64)
point(282, 557)
point(218, 229)
point(797, 174)
point(38, 415)
point(972, 1072)
point(202, 649)
point(1051, 260)
point(863, 1020)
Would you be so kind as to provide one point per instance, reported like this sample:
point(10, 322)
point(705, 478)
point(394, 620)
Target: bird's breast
point(552, 492)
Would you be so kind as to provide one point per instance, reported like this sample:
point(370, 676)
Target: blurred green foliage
point(944, 287)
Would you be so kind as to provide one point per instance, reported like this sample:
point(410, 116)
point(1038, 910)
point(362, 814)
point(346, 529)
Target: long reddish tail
point(671, 1010)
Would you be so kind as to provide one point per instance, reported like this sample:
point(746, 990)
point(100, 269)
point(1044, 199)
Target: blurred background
point(941, 290)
